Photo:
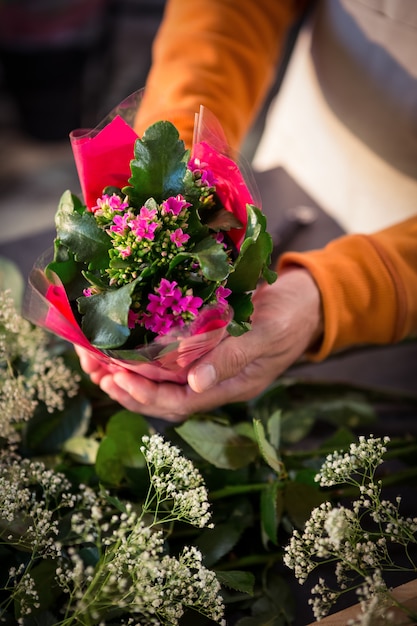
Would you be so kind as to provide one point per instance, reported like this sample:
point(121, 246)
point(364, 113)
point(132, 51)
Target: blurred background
point(64, 64)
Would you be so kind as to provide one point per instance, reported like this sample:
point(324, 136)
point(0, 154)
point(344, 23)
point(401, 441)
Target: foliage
point(82, 505)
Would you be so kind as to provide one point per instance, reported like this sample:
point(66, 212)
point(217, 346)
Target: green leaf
point(275, 607)
point(242, 306)
point(237, 580)
point(220, 445)
point(63, 264)
point(81, 449)
point(127, 429)
point(299, 500)
point(109, 466)
point(271, 510)
point(105, 316)
point(216, 542)
point(296, 424)
point(159, 166)
point(81, 234)
point(236, 329)
point(90, 555)
point(254, 256)
point(340, 440)
point(47, 433)
point(46, 586)
point(274, 428)
point(120, 448)
point(210, 255)
point(268, 452)
point(11, 279)
point(351, 412)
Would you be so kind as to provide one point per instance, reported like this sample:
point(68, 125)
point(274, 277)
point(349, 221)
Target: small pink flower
point(206, 176)
point(120, 224)
point(125, 252)
point(132, 318)
point(143, 229)
point(175, 205)
point(87, 292)
point(167, 288)
point(155, 305)
point(222, 293)
point(179, 237)
point(219, 237)
point(159, 324)
point(188, 304)
point(114, 202)
point(147, 214)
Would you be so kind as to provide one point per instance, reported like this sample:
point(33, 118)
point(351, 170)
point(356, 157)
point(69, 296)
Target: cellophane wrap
point(102, 157)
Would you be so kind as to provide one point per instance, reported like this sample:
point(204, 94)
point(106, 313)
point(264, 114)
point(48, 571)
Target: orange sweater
point(223, 54)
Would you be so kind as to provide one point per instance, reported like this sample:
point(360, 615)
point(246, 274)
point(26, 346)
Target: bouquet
point(158, 263)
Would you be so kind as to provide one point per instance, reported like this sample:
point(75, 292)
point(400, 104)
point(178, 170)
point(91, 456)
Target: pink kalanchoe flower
point(207, 178)
point(219, 237)
point(221, 294)
point(132, 318)
point(175, 205)
point(187, 304)
point(168, 289)
point(120, 224)
point(143, 228)
point(116, 203)
point(167, 306)
point(159, 324)
point(179, 237)
point(125, 252)
point(113, 202)
point(155, 305)
point(87, 292)
point(147, 214)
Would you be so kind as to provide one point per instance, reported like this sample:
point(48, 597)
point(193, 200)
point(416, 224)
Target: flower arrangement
point(157, 268)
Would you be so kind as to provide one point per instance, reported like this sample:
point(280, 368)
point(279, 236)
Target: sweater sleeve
point(218, 53)
point(368, 285)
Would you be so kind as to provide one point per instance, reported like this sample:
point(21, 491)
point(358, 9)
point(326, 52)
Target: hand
point(287, 319)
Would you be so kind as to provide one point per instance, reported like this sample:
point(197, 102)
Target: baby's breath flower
point(364, 456)
point(175, 480)
point(29, 374)
point(356, 540)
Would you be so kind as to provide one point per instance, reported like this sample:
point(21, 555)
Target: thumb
point(225, 361)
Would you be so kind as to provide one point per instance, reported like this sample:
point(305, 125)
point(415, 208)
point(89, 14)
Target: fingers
point(176, 403)
point(225, 361)
point(168, 401)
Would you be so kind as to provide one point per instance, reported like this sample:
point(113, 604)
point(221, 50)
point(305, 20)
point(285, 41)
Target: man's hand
point(287, 320)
